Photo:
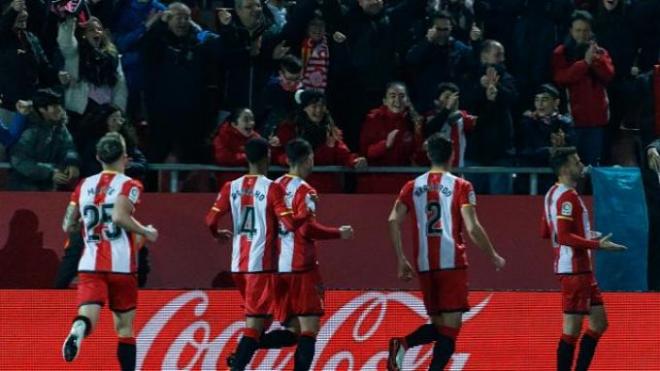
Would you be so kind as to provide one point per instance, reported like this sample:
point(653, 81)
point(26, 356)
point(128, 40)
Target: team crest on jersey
point(134, 194)
point(567, 208)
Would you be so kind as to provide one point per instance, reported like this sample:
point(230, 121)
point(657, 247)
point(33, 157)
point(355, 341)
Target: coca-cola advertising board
point(197, 330)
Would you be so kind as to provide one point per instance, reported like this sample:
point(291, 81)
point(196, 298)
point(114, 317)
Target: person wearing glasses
point(436, 58)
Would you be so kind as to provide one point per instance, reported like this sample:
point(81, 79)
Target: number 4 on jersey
point(248, 222)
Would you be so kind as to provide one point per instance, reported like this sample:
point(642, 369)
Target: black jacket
point(492, 138)
point(175, 71)
point(24, 66)
point(372, 41)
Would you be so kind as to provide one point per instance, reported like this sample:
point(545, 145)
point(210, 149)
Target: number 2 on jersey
point(433, 213)
point(248, 225)
point(95, 215)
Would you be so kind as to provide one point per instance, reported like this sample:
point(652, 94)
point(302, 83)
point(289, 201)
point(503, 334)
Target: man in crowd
point(44, 157)
point(584, 68)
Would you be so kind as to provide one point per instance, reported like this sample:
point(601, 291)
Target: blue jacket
point(536, 134)
point(128, 31)
point(10, 134)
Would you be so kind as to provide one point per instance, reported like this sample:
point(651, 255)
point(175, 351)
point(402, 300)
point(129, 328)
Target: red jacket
point(324, 155)
point(229, 146)
point(379, 123)
point(455, 131)
point(586, 84)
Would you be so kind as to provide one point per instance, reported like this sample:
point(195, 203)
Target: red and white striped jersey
point(436, 200)
point(297, 251)
point(256, 203)
point(563, 202)
point(108, 247)
point(456, 132)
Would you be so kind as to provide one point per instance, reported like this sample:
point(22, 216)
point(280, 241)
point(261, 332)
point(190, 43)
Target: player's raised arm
point(479, 236)
point(396, 218)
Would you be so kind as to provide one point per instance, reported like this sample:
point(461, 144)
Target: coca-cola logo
point(352, 337)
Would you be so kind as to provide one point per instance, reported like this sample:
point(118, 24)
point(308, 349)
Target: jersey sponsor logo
point(567, 208)
point(134, 194)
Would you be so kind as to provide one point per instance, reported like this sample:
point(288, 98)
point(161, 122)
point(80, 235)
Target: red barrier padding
point(186, 256)
point(197, 330)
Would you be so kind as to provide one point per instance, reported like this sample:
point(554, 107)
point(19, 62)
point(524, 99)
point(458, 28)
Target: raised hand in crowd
point(475, 33)
point(491, 92)
point(18, 5)
point(65, 78)
point(338, 37)
point(224, 16)
point(432, 35)
point(490, 78)
point(154, 15)
point(451, 104)
point(72, 173)
point(281, 50)
point(360, 163)
point(24, 107)
point(654, 159)
point(60, 177)
point(558, 139)
point(274, 141)
point(255, 47)
point(391, 137)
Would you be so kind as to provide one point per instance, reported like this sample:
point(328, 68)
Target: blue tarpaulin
point(620, 208)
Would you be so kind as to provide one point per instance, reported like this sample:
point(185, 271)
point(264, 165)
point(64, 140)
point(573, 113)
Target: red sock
point(449, 332)
point(593, 334)
point(252, 333)
point(128, 340)
point(308, 334)
point(569, 339)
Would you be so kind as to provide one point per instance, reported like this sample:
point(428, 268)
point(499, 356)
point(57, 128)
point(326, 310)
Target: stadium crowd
point(365, 82)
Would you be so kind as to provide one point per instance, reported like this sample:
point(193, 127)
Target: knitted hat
point(548, 89)
point(306, 97)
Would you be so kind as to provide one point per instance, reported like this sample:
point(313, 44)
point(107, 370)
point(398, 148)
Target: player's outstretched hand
point(606, 244)
point(346, 232)
point(406, 272)
point(224, 235)
point(498, 261)
point(151, 233)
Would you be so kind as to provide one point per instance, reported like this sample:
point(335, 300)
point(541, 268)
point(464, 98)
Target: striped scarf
point(316, 59)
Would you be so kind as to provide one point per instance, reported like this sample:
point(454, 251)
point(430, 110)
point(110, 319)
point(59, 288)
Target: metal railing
point(175, 169)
